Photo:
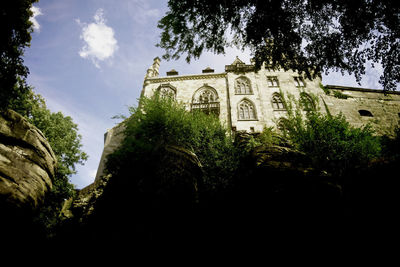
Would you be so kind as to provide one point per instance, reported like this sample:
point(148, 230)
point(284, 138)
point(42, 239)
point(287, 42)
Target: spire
point(237, 61)
point(153, 71)
point(156, 66)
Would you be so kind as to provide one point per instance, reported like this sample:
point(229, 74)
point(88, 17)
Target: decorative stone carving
point(167, 90)
point(206, 100)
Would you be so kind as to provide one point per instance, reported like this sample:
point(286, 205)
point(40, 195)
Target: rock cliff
point(27, 164)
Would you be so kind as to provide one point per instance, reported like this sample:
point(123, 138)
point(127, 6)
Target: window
point(206, 100)
point(246, 110)
point(299, 81)
point(252, 129)
point(307, 102)
point(243, 86)
point(281, 124)
point(273, 81)
point(277, 102)
point(167, 90)
point(365, 113)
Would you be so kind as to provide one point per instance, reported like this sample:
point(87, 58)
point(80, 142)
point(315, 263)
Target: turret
point(153, 71)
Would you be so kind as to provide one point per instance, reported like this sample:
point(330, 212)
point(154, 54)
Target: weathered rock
point(152, 197)
point(83, 204)
point(27, 163)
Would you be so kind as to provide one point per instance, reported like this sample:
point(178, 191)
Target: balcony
point(208, 107)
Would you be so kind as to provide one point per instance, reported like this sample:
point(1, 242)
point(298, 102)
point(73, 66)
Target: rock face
point(27, 164)
point(152, 198)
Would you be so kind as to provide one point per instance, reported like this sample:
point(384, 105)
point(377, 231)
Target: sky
point(88, 59)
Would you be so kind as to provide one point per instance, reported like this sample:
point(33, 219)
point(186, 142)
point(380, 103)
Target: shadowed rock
point(27, 164)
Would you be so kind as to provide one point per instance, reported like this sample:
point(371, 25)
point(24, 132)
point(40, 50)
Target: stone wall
point(385, 108)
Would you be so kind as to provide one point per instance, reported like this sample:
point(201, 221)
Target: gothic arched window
point(206, 100)
point(277, 102)
point(307, 102)
point(282, 124)
point(246, 110)
point(167, 90)
point(243, 86)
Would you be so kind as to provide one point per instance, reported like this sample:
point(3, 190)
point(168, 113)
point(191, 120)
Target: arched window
point(282, 124)
point(243, 86)
point(206, 100)
point(167, 90)
point(246, 110)
point(277, 102)
point(365, 113)
point(307, 102)
point(299, 81)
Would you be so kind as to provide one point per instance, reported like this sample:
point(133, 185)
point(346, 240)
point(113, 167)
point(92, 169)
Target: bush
point(331, 142)
point(158, 122)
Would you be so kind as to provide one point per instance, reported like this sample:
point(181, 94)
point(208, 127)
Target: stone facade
point(249, 100)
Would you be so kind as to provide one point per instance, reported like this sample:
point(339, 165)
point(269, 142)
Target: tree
point(304, 35)
point(62, 134)
point(15, 35)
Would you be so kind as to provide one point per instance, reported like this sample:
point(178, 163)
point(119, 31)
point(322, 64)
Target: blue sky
point(88, 59)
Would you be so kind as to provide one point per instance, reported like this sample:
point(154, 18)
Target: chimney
point(208, 70)
point(172, 72)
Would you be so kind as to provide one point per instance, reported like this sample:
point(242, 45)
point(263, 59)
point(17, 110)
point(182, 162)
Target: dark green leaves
point(307, 36)
point(161, 122)
point(15, 35)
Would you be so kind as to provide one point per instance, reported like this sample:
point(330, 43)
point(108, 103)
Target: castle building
point(249, 100)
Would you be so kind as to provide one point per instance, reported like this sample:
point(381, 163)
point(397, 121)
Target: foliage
point(307, 36)
point(326, 90)
point(340, 95)
point(331, 142)
point(15, 34)
point(391, 146)
point(62, 134)
point(162, 121)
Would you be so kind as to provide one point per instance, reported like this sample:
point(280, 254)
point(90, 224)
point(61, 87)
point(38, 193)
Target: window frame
point(278, 105)
point(271, 80)
point(250, 89)
point(298, 80)
point(242, 117)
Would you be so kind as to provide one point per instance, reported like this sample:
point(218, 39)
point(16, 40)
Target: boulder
point(27, 164)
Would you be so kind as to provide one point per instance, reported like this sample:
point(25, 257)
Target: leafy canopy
point(304, 35)
point(15, 35)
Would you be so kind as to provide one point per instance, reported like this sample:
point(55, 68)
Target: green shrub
point(331, 142)
point(326, 90)
point(340, 95)
point(162, 121)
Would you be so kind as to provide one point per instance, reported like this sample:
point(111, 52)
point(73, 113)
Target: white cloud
point(100, 43)
point(36, 12)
